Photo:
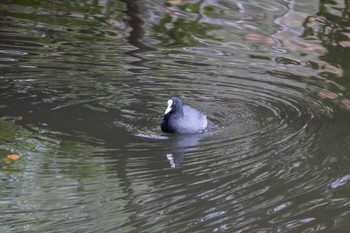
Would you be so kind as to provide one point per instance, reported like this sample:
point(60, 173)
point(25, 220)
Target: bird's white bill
point(168, 109)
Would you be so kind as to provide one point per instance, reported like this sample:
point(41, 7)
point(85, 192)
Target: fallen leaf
point(13, 157)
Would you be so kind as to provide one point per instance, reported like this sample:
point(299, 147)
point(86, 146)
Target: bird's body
point(182, 119)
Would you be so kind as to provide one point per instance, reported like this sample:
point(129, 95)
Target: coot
point(182, 119)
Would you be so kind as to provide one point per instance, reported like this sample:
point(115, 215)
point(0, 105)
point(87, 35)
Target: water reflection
point(136, 33)
point(180, 31)
point(180, 145)
point(83, 88)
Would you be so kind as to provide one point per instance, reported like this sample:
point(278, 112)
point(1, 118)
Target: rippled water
point(84, 85)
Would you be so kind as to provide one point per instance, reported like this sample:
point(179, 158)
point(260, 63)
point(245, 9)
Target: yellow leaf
point(13, 157)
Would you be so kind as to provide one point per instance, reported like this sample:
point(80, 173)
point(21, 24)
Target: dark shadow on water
point(70, 120)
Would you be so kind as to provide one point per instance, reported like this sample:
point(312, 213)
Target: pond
point(84, 86)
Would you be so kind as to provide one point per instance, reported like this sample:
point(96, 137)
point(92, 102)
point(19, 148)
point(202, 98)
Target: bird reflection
point(180, 145)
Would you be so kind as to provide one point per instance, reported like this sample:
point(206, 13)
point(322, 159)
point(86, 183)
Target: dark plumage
point(182, 119)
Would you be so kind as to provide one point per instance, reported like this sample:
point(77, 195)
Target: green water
point(84, 86)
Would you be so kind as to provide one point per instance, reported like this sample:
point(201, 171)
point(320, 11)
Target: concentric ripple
point(246, 167)
point(84, 86)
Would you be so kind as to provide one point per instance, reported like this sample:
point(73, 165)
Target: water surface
point(84, 85)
